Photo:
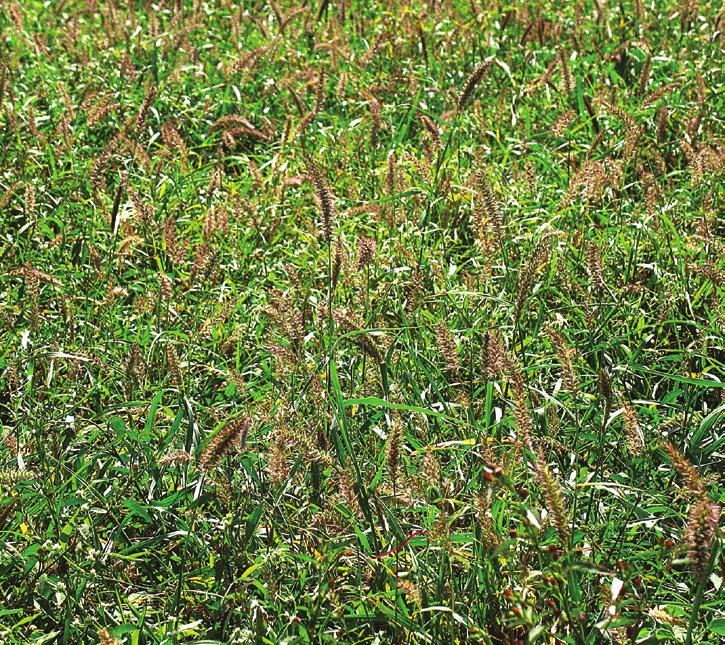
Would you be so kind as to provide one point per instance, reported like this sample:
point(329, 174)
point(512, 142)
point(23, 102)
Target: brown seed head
point(685, 469)
point(230, 437)
point(393, 449)
point(472, 82)
point(703, 519)
point(323, 195)
point(366, 247)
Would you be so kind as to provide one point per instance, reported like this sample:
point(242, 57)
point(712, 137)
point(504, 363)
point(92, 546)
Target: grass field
point(361, 322)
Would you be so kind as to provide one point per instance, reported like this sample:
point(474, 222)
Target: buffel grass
point(361, 322)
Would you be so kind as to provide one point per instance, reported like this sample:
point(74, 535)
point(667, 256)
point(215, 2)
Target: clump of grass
point(456, 362)
point(700, 533)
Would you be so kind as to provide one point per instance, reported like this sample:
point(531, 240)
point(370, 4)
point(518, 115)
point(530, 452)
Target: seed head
point(394, 445)
point(473, 80)
point(554, 500)
point(605, 386)
point(447, 347)
point(685, 469)
point(633, 431)
point(323, 195)
point(366, 247)
point(703, 519)
point(230, 437)
point(566, 356)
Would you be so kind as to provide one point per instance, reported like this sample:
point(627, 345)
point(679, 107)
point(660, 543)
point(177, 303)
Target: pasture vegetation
point(361, 322)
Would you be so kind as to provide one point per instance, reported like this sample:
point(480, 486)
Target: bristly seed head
point(554, 500)
point(703, 518)
point(323, 195)
point(473, 80)
point(230, 437)
point(366, 247)
point(566, 356)
point(605, 386)
point(685, 469)
point(393, 448)
point(447, 347)
point(633, 431)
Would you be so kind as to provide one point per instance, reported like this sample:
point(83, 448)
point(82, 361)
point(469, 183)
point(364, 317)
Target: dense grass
point(361, 322)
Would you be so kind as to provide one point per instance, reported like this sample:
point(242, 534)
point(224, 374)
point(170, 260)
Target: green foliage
point(360, 322)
